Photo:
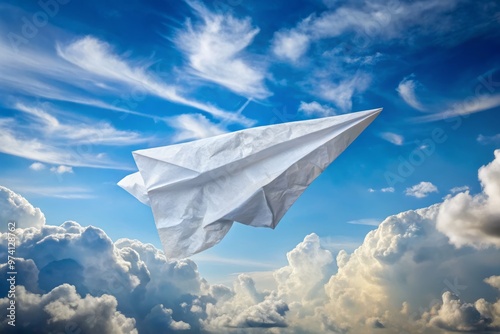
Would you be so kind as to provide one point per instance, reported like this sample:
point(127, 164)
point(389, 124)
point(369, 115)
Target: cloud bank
point(414, 273)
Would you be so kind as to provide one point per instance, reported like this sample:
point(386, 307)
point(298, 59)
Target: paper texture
point(196, 190)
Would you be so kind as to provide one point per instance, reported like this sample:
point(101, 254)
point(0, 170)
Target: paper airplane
point(197, 189)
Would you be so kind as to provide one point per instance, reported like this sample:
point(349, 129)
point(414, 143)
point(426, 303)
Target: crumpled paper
point(198, 189)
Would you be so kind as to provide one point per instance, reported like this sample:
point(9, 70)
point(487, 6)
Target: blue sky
point(84, 84)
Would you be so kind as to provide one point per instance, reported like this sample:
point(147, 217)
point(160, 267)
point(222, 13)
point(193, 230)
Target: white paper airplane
point(198, 189)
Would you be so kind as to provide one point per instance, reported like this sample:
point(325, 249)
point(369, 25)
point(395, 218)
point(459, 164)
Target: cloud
point(203, 257)
point(366, 23)
point(102, 74)
point(37, 166)
point(378, 21)
point(406, 90)
point(53, 152)
point(384, 190)
point(51, 78)
point(128, 277)
point(61, 169)
point(475, 220)
point(161, 317)
point(364, 60)
point(246, 308)
point(290, 45)
point(63, 192)
point(75, 128)
point(455, 190)
point(341, 93)
point(366, 221)
point(97, 58)
point(316, 109)
point(336, 244)
point(454, 315)
point(90, 281)
point(299, 280)
point(39, 133)
point(421, 190)
point(371, 284)
point(463, 108)
point(14, 207)
point(193, 126)
point(494, 281)
point(215, 48)
point(62, 310)
point(393, 138)
point(485, 140)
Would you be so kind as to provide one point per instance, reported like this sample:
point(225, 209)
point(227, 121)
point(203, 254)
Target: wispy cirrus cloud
point(407, 90)
point(40, 135)
point(37, 71)
point(455, 190)
point(341, 92)
point(193, 126)
point(485, 140)
point(92, 74)
point(372, 21)
point(393, 138)
point(215, 47)
point(54, 191)
point(98, 58)
point(366, 221)
point(75, 128)
point(27, 147)
point(462, 108)
point(290, 45)
point(384, 190)
point(77, 193)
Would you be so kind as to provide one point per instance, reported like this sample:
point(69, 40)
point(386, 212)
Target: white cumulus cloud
point(315, 109)
point(475, 220)
point(421, 190)
point(63, 310)
point(14, 207)
point(61, 169)
point(37, 166)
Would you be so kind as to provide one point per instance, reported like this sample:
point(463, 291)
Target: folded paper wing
point(198, 189)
